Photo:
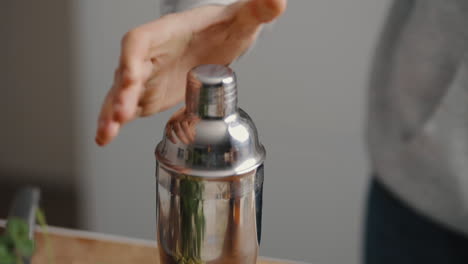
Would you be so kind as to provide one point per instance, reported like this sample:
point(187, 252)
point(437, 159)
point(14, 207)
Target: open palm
point(156, 57)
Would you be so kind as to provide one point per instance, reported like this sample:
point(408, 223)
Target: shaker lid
point(211, 91)
point(213, 75)
point(211, 136)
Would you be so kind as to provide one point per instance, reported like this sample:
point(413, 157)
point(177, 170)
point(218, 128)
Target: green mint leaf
point(25, 248)
point(7, 259)
point(40, 217)
point(4, 250)
point(6, 241)
point(17, 229)
point(6, 256)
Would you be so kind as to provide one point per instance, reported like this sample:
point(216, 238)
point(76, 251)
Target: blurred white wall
point(304, 84)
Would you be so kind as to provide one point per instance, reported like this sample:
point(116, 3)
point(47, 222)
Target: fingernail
point(98, 141)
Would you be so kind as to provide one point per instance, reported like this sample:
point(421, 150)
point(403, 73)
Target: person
point(417, 131)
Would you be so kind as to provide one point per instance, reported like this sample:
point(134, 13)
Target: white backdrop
point(304, 85)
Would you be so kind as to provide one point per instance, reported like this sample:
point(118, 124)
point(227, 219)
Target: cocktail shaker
point(209, 176)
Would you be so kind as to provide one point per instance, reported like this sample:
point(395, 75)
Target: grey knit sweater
point(417, 129)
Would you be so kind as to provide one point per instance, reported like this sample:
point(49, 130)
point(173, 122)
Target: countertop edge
point(119, 239)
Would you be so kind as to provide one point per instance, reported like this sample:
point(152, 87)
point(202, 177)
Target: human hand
point(156, 57)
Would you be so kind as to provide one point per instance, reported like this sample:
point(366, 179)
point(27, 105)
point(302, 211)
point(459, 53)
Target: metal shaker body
point(209, 176)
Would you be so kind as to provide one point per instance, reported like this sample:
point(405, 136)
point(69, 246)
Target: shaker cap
point(211, 91)
point(211, 136)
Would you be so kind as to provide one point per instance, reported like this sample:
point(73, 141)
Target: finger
point(106, 129)
point(263, 11)
point(169, 134)
point(134, 70)
point(186, 129)
point(192, 125)
point(135, 45)
point(125, 103)
point(180, 133)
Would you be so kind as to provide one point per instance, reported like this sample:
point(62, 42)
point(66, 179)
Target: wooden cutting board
point(78, 247)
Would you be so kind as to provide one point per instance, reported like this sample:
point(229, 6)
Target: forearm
point(171, 6)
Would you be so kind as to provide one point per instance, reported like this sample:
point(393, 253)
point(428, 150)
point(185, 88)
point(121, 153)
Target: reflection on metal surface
point(209, 220)
point(210, 176)
point(239, 133)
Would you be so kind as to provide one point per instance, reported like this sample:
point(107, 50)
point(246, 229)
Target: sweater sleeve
point(171, 6)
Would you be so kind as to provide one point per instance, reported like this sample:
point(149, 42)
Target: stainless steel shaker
point(209, 176)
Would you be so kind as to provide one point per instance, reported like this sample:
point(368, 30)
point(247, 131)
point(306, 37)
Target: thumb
point(264, 11)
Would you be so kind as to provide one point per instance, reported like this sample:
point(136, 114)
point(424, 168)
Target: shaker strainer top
point(210, 136)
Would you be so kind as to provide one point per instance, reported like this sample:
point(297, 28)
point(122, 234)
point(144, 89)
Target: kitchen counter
point(81, 247)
